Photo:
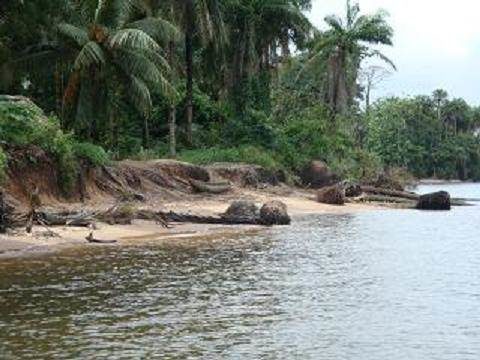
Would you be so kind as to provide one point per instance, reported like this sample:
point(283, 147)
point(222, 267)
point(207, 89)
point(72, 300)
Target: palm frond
point(334, 22)
point(74, 33)
point(91, 54)
point(132, 39)
point(126, 8)
point(140, 95)
point(373, 29)
point(380, 55)
point(139, 64)
point(157, 28)
point(210, 22)
point(318, 56)
point(352, 13)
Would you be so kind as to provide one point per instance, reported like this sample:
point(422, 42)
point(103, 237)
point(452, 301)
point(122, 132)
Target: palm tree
point(258, 27)
point(344, 46)
point(161, 23)
point(113, 56)
point(440, 96)
point(202, 17)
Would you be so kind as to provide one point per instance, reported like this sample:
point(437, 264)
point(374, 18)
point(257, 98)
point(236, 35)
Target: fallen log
point(77, 219)
point(212, 188)
point(386, 199)
point(213, 220)
point(391, 193)
point(91, 239)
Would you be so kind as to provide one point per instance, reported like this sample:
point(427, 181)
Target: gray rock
point(352, 189)
point(332, 195)
point(242, 211)
point(274, 213)
point(435, 201)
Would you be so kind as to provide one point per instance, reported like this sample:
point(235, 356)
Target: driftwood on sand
point(386, 199)
point(390, 193)
point(212, 188)
point(91, 239)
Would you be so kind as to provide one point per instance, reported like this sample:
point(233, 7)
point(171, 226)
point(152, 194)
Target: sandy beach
point(44, 240)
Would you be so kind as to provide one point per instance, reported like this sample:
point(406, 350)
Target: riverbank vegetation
point(221, 81)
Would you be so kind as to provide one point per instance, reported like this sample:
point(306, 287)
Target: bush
point(242, 154)
point(22, 123)
point(359, 165)
point(95, 155)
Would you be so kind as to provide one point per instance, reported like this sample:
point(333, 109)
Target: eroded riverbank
point(45, 240)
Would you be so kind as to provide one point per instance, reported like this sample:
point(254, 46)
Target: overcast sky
point(436, 44)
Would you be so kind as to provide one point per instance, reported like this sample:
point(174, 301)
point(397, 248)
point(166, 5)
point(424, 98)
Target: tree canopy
point(230, 80)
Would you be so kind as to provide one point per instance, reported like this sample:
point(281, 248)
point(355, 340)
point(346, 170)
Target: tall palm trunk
point(284, 44)
point(146, 133)
point(368, 92)
point(172, 113)
point(189, 31)
point(238, 68)
point(342, 86)
point(337, 96)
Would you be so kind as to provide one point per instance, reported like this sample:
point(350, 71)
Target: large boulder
point(332, 195)
point(242, 212)
point(435, 201)
point(8, 206)
point(352, 189)
point(317, 175)
point(274, 213)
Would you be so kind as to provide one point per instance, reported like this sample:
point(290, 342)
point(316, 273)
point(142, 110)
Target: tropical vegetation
point(222, 80)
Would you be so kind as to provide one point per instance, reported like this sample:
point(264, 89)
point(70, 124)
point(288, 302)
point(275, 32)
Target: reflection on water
point(375, 285)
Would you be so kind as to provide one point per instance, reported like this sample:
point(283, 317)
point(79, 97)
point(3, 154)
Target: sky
point(436, 44)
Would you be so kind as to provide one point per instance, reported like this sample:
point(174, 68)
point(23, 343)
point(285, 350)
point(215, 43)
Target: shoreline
point(19, 244)
point(444, 182)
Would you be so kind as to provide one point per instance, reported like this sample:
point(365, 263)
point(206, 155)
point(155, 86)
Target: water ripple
point(377, 285)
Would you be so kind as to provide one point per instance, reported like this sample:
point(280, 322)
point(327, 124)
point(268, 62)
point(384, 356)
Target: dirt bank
point(161, 185)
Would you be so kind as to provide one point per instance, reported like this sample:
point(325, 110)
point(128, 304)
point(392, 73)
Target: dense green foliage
point(429, 139)
point(22, 123)
point(218, 80)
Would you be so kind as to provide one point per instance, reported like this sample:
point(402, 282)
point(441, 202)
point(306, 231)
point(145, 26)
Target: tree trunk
point(285, 45)
point(238, 70)
point(111, 128)
point(146, 133)
point(189, 31)
point(172, 112)
point(59, 93)
point(367, 97)
point(172, 119)
point(341, 91)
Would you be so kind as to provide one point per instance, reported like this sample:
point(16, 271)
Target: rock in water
point(242, 211)
point(317, 175)
point(332, 195)
point(274, 213)
point(435, 201)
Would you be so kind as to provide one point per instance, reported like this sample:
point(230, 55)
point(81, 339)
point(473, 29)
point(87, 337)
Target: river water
point(389, 284)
